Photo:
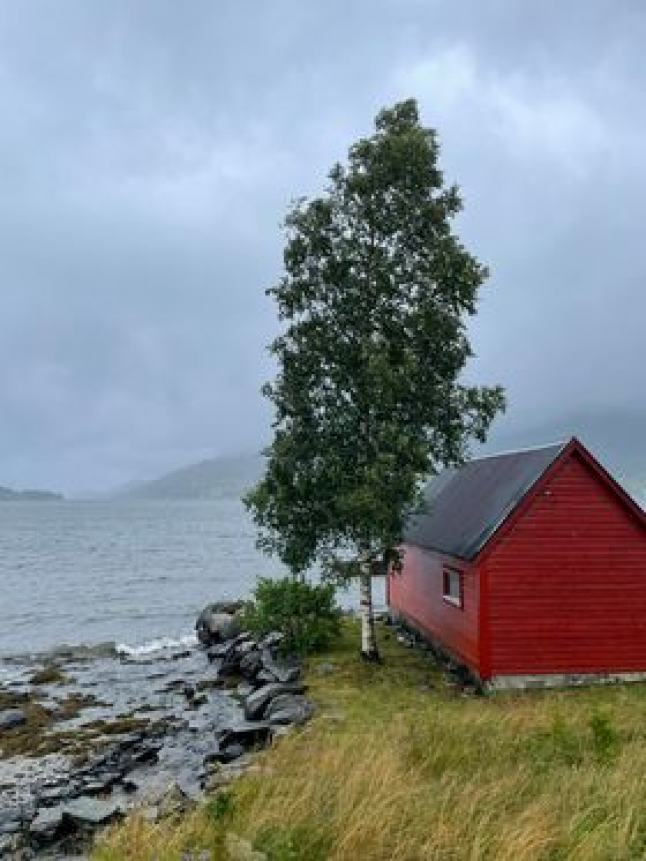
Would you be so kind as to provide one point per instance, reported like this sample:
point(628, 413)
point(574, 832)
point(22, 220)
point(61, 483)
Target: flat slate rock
point(12, 718)
point(91, 811)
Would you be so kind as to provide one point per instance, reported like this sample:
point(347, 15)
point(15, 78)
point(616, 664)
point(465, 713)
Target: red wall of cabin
point(566, 586)
point(416, 594)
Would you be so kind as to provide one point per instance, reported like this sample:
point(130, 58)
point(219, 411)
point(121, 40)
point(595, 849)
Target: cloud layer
point(148, 152)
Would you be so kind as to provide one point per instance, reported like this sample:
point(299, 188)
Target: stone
point(232, 751)
point(239, 849)
point(91, 811)
point(219, 650)
point(214, 625)
point(325, 669)
point(173, 803)
point(255, 703)
point(12, 718)
point(272, 640)
point(264, 677)
point(250, 664)
point(244, 689)
point(289, 709)
point(282, 672)
point(248, 734)
point(46, 822)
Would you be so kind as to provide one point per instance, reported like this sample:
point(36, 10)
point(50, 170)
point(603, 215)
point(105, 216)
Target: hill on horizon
point(617, 439)
point(213, 478)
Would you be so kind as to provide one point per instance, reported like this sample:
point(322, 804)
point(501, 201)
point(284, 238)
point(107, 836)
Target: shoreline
point(99, 732)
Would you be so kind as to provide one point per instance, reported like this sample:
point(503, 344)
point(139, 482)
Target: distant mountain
point(8, 495)
point(210, 479)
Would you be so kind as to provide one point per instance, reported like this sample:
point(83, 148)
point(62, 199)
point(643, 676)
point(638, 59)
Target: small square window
point(452, 587)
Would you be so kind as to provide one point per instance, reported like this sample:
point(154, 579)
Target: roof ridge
point(561, 443)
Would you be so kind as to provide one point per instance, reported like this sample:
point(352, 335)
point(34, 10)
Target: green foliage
point(305, 613)
point(605, 738)
point(368, 398)
point(220, 806)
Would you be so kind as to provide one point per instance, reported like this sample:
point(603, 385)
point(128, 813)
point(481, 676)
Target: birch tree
point(368, 397)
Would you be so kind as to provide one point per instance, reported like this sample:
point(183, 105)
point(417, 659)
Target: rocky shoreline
point(87, 738)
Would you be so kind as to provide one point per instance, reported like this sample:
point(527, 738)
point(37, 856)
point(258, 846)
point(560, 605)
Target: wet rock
point(255, 703)
point(214, 625)
point(12, 718)
point(289, 709)
point(244, 689)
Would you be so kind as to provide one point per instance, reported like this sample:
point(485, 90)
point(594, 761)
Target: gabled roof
point(464, 507)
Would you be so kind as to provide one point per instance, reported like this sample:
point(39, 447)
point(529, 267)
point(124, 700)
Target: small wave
point(161, 645)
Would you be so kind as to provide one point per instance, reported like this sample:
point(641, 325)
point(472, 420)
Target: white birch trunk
point(368, 639)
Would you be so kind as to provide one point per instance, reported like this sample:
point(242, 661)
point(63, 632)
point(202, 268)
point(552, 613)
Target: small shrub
point(605, 739)
point(305, 613)
point(220, 806)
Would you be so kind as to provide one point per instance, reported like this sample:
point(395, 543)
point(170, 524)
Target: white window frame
point(450, 578)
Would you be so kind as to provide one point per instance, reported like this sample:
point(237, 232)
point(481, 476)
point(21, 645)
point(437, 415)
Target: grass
point(397, 765)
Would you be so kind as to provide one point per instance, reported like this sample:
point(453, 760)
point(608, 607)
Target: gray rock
point(250, 664)
point(174, 802)
point(91, 811)
point(272, 640)
point(265, 677)
point(215, 625)
point(325, 669)
point(247, 734)
point(255, 703)
point(232, 751)
point(281, 671)
point(244, 689)
point(289, 709)
point(46, 822)
point(12, 718)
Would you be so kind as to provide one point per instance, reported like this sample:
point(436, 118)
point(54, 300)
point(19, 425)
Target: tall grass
point(397, 766)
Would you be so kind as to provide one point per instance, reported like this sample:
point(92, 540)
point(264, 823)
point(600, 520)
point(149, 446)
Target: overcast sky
point(148, 151)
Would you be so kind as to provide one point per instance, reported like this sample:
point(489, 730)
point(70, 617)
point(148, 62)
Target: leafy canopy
point(368, 398)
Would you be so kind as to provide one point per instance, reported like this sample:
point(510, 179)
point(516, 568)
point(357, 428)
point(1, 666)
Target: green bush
point(306, 614)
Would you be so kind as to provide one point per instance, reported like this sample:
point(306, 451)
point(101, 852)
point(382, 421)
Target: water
point(129, 572)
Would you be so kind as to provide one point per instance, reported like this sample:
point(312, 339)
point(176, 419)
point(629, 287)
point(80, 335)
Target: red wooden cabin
point(530, 569)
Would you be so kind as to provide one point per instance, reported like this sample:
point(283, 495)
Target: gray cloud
point(148, 152)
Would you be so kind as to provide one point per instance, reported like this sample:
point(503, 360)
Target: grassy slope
point(398, 766)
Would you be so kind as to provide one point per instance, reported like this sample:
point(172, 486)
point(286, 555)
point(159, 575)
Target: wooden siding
point(416, 594)
point(566, 585)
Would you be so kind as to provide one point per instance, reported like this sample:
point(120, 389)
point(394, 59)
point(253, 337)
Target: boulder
point(272, 640)
point(48, 820)
point(247, 734)
point(255, 703)
point(289, 709)
point(91, 811)
point(280, 670)
point(214, 625)
point(12, 718)
point(250, 664)
point(174, 802)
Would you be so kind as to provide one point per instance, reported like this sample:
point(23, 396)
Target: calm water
point(130, 572)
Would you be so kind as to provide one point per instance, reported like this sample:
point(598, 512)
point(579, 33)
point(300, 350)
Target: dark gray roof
point(465, 506)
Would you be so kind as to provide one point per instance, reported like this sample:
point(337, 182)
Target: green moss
point(51, 675)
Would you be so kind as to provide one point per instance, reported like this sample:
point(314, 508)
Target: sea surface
point(129, 572)
point(135, 574)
